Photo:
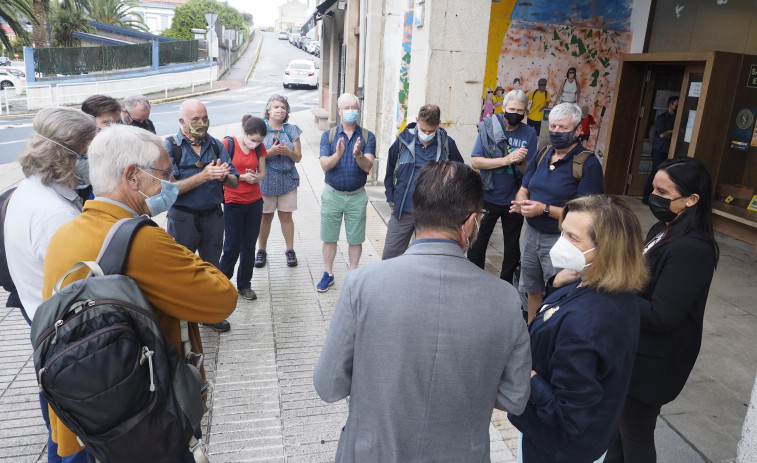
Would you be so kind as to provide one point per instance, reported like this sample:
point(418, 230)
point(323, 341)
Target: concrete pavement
point(263, 406)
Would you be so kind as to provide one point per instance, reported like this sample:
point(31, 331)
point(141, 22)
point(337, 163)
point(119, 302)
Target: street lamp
point(211, 19)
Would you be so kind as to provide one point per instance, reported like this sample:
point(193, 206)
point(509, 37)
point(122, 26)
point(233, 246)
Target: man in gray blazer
point(427, 344)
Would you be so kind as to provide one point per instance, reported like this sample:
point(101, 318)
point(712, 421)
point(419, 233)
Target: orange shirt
point(245, 193)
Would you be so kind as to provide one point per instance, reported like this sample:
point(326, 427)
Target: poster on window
point(743, 127)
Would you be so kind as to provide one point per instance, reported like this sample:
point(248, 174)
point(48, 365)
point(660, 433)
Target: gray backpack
point(107, 368)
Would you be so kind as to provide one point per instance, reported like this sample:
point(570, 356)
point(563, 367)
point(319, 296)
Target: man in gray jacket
point(427, 344)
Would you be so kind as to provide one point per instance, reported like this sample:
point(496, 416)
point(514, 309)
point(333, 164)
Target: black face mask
point(513, 118)
point(561, 140)
point(141, 125)
point(660, 208)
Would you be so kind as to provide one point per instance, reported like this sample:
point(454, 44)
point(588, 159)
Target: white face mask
point(565, 254)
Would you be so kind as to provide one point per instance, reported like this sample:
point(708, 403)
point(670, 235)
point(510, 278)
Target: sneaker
point(221, 327)
point(248, 294)
point(260, 258)
point(291, 258)
point(325, 282)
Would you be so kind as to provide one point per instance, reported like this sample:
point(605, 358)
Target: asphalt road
point(223, 108)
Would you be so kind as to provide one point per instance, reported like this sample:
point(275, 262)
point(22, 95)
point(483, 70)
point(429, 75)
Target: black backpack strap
point(230, 140)
point(175, 150)
point(115, 248)
point(216, 150)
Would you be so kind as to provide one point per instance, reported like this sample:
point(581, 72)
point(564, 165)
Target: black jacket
point(672, 312)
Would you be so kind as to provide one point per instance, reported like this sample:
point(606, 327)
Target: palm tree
point(40, 8)
point(117, 13)
point(65, 22)
point(9, 13)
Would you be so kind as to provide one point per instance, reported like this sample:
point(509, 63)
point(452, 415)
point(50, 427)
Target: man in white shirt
point(54, 166)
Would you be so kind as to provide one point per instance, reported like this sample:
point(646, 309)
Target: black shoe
point(291, 258)
point(220, 327)
point(248, 294)
point(260, 258)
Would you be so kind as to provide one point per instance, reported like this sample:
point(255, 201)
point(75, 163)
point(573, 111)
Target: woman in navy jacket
point(584, 337)
point(682, 254)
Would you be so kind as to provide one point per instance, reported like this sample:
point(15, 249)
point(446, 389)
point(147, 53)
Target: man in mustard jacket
point(130, 172)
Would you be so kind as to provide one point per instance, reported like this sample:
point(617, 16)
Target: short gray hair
point(49, 160)
point(516, 95)
point(114, 149)
point(132, 101)
point(565, 110)
point(347, 98)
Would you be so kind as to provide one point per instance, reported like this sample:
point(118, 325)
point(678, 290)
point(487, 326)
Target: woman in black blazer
point(682, 254)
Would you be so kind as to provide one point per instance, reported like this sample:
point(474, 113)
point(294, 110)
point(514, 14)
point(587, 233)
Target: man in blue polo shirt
point(347, 153)
point(202, 166)
point(421, 142)
point(548, 184)
point(503, 142)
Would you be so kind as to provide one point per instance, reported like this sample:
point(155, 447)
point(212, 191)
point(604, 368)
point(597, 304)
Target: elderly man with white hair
point(503, 143)
point(347, 153)
point(130, 172)
point(562, 171)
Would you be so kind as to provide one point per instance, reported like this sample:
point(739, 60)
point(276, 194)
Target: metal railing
point(30, 98)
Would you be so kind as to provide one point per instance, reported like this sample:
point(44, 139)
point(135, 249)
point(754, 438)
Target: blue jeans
point(241, 225)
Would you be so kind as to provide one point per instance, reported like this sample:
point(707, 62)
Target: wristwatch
point(546, 210)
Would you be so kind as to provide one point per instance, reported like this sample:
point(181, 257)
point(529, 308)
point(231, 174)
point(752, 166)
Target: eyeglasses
point(167, 173)
point(489, 91)
point(482, 213)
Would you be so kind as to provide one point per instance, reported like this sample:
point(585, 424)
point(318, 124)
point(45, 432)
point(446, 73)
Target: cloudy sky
point(264, 12)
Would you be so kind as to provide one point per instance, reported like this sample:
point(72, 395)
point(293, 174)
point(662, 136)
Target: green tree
point(117, 13)
point(192, 15)
point(10, 11)
point(65, 22)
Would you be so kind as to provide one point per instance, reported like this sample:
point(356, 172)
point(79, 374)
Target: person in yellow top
point(539, 100)
point(130, 172)
point(499, 95)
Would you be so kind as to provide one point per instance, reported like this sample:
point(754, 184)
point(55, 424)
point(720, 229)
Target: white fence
point(38, 96)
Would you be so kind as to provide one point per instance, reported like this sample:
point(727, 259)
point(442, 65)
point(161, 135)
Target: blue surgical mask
point(426, 138)
point(162, 201)
point(350, 116)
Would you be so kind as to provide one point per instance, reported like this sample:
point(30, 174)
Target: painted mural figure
point(587, 120)
point(420, 143)
point(503, 142)
point(487, 104)
point(499, 96)
point(570, 89)
point(539, 99)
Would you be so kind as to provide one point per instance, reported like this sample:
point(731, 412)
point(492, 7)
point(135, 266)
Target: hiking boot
point(291, 258)
point(260, 258)
point(325, 283)
point(248, 294)
point(221, 327)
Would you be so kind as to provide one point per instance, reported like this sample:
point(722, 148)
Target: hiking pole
point(599, 128)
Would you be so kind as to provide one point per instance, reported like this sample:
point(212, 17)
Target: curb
point(254, 60)
point(189, 95)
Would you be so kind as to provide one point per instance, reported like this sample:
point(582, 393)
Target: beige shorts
point(283, 203)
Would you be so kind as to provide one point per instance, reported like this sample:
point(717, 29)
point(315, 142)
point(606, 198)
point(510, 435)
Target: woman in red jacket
point(243, 206)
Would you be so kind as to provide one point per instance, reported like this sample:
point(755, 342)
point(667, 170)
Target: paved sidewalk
point(263, 406)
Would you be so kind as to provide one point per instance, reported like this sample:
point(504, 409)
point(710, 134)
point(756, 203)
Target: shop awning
point(320, 10)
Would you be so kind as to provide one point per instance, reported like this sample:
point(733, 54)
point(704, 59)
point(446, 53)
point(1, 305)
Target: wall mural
point(407, 45)
point(546, 37)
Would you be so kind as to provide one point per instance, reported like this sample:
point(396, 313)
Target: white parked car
point(301, 72)
point(16, 71)
point(283, 35)
point(8, 80)
point(311, 47)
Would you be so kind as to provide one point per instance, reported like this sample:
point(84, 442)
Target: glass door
point(687, 111)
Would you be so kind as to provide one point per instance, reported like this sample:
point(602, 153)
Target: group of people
point(425, 343)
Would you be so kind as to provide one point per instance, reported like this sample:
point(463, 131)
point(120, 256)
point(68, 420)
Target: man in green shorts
point(347, 155)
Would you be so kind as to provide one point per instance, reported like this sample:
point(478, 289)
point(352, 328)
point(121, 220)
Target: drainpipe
point(361, 48)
